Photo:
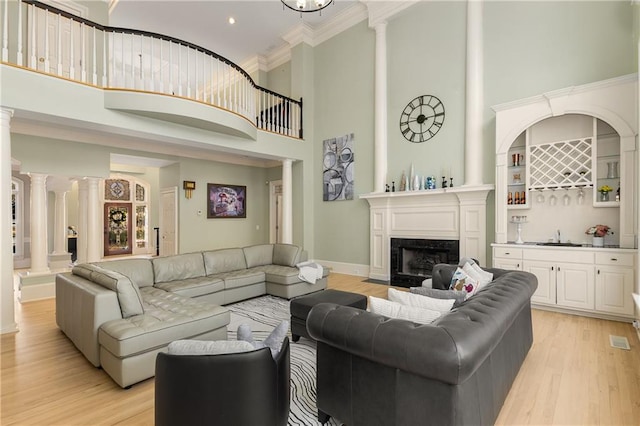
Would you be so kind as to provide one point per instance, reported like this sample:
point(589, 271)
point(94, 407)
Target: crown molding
point(314, 36)
point(255, 64)
point(555, 94)
point(381, 11)
point(278, 57)
point(302, 32)
point(345, 20)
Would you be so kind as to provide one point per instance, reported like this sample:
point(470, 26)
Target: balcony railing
point(43, 38)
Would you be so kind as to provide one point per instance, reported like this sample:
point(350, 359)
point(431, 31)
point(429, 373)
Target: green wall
point(279, 79)
point(344, 103)
point(199, 233)
point(529, 48)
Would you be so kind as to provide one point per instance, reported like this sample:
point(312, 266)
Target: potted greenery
point(604, 191)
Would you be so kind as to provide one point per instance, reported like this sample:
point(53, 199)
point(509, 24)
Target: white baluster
point(171, 67)
point(83, 54)
point(211, 84)
point(124, 74)
point(179, 70)
point(218, 80)
point(133, 64)
point(195, 71)
point(46, 41)
point(112, 77)
point(104, 58)
point(72, 68)
point(34, 60)
point(235, 89)
point(95, 60)
point(160, 71)
point(5, 33)
point(188, 74)
point(19, 59)
point(151, 60)
point(141, 85)
point(59, 53)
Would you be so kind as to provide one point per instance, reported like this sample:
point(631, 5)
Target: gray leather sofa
point(456, 371)
point(120, 314)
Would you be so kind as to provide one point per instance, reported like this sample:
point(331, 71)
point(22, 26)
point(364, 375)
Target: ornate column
point(94, 227)
point(474, 95)
point(83, 191)
point(7, 296)
point(287, 202)
point(380, 138)
point(39, 240)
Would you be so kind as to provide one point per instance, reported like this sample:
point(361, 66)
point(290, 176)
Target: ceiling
point(258, 30)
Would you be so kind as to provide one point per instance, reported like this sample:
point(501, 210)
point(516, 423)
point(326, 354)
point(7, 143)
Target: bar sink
point(560, 244)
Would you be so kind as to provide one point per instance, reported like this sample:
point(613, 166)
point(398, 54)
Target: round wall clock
point(422, 118)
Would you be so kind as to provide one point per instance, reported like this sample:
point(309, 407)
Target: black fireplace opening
point(412, 260)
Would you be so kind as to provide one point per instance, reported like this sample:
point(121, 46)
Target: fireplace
point(412, 260)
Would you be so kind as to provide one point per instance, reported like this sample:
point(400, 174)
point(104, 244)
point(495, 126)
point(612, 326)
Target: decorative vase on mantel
point(598, 241)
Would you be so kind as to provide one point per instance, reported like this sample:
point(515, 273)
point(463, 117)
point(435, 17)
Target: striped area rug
point(263, 314)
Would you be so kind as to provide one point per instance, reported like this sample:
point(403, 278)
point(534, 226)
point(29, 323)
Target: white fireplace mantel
point(457, 213)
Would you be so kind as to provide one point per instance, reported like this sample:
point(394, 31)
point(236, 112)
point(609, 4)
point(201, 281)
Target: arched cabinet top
point(612, 101)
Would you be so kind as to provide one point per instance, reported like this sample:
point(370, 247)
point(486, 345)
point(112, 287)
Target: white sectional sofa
point(120, 314)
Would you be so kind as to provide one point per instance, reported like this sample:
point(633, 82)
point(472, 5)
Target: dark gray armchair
point(241, 389)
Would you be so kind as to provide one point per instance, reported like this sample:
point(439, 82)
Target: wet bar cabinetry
point(583, 280)
point(555, 153)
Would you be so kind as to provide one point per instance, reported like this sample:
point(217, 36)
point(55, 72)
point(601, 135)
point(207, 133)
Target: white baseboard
point(12, 328)
point(31, 293)
point(345, 268)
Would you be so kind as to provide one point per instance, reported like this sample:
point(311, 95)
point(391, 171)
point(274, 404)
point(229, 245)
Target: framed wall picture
point(226, 201)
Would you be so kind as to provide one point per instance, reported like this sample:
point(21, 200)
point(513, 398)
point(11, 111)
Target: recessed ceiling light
point(232, 20)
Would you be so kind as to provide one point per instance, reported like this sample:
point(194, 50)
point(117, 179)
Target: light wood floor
point(571, 375)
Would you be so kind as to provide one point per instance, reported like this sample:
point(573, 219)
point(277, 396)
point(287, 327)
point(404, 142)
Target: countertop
point(540, 245)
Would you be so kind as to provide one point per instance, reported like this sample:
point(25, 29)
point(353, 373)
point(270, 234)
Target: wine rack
point(564, 164)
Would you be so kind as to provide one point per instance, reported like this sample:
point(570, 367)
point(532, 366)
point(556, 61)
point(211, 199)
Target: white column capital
point(380, 27)
point(6, 113)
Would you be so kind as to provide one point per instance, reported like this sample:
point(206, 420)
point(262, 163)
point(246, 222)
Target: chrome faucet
point(558, 235)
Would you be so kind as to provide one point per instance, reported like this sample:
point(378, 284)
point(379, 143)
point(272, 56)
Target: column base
point(59, 261)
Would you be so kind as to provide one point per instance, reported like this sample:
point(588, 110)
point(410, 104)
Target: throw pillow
point(273, 341)
point(396, 310)
point(488, 276)
point(202, 347)
point(458, 296)
point(418, 301)
point(462, 281)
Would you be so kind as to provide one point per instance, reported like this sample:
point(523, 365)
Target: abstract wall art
point(338, 168)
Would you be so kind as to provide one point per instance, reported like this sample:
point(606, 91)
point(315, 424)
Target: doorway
point(168, 221)
point(275, 211)
point(117, 229)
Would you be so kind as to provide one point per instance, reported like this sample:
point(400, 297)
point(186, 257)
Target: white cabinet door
point(511, 264)
point(546, 274)
point(614, 286)
point(575, 285)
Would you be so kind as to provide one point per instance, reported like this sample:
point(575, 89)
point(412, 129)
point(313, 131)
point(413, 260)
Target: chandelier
point(306, 6)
